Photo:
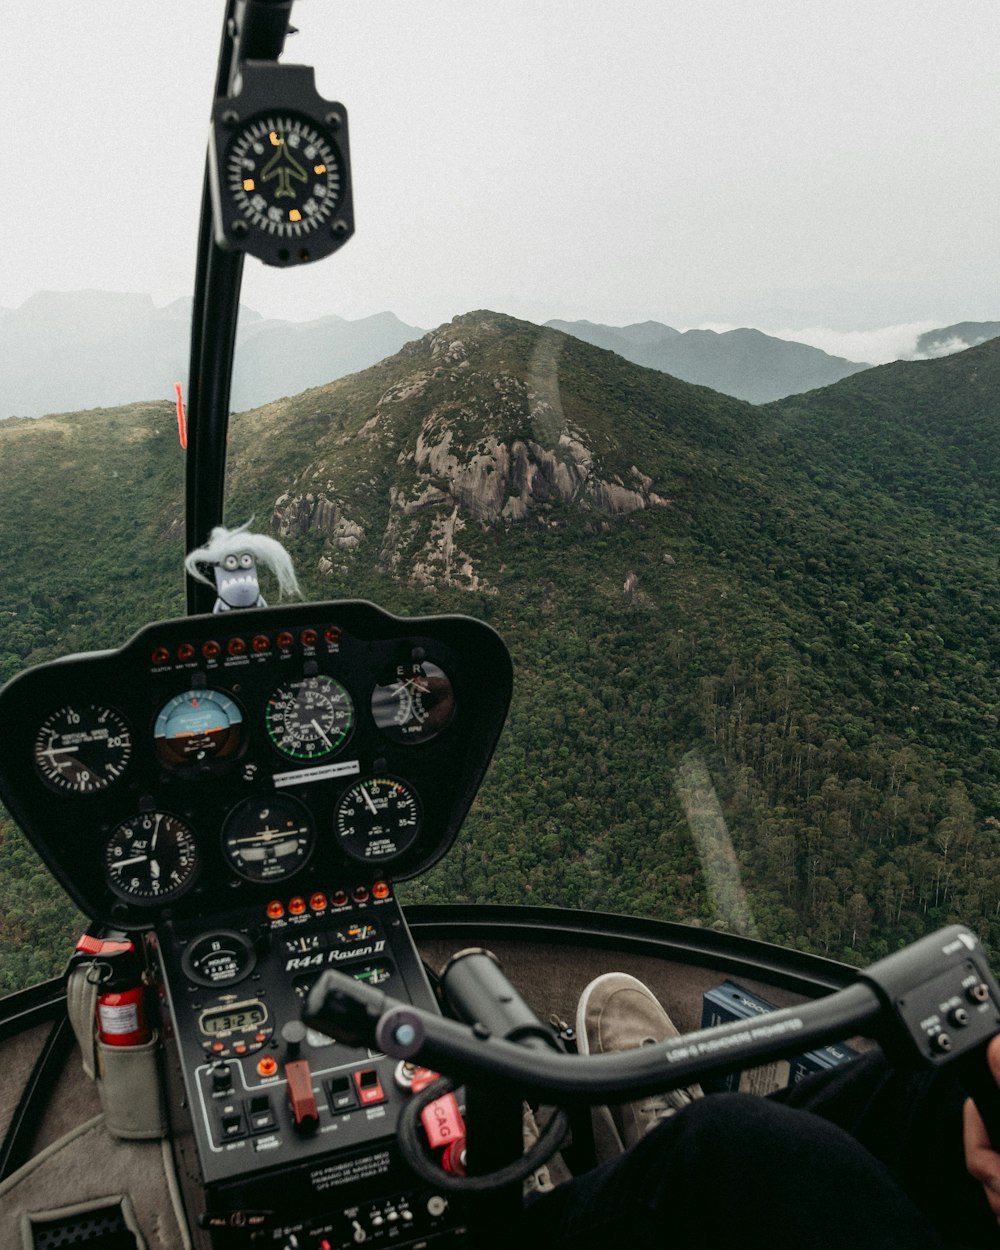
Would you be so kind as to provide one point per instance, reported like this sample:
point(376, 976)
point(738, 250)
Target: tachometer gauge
point(268, 839)
point(151, 858)
point(377, 819)
point(310, 718)
point(196, 726)
point(80, 750)
point(415, 703)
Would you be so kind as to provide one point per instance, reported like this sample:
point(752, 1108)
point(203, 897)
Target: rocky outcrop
point(300, 514)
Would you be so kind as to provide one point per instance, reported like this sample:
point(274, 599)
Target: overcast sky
point(788, 164)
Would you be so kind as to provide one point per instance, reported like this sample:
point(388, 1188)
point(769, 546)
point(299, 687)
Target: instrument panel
point(214, 758)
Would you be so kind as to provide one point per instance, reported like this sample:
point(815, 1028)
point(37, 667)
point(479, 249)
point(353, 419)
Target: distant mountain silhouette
point(64, 351)
point(956, 338)
point(745, 363)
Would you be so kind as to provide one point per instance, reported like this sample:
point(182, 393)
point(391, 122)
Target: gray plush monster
point(234, 555)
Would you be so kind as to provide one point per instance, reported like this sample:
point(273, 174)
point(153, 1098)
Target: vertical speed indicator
point(81, 750)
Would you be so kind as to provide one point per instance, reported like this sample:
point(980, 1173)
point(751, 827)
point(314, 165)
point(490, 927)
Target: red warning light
point(380, 889)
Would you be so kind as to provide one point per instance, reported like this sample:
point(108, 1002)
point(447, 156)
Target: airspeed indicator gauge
point(280, 179)
point(309, 719)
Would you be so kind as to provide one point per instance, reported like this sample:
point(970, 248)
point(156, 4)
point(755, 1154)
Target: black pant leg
point(733, 1170)
point(911, 1119)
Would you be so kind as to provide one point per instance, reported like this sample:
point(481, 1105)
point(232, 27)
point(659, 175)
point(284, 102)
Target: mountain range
point(805, 594)
point(66, 351)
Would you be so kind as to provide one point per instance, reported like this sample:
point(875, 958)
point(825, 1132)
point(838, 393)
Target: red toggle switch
point(442, 1121)
point(301, 1097)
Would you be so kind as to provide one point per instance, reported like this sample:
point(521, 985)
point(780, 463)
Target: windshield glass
point(666, 345)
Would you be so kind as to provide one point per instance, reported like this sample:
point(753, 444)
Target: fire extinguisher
point(121, 995)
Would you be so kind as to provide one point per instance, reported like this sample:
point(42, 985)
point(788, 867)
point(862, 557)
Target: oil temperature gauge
point(377, 819)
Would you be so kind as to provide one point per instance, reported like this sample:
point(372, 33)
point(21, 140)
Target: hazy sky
point(780, 163)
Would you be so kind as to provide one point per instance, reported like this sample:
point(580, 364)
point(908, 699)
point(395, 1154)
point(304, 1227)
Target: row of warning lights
point(212, 650)
point(319, 902)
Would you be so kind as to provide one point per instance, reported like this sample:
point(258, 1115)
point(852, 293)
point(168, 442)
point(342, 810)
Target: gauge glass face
point(414, 704)
point(150, 858)
point(220, 958)
point(80, 750)
point(196, 726)
point(268, 839)
point(284, 175)
point(309, 719)
point(377, 819)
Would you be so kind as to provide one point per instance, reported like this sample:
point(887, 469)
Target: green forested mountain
point(785, 614)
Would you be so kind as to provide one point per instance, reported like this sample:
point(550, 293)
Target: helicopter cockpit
point(273, 1032)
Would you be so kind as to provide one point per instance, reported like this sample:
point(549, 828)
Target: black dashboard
point(288, 758)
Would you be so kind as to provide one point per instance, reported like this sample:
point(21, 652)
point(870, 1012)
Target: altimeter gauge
point(280, 180)
point(309, 719)
point(81, 750)
point(269, 838)
point(150, 858)
point(377, 818)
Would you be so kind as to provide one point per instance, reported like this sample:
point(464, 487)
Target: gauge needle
point(368, 802)
point(319, 729)
point(127, 863)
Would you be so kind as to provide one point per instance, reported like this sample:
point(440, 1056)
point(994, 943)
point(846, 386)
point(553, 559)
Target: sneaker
point(618, 1012)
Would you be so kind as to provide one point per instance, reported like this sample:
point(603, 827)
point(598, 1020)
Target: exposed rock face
point(298, 514)
point(466, 442)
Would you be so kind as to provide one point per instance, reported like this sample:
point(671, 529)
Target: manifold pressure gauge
point(279, 168)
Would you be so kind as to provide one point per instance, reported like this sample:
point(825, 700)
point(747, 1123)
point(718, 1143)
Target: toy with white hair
point(234, 556)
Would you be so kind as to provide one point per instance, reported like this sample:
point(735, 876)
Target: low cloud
point(872, 347)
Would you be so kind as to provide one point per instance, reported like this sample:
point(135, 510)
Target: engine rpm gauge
point(80, 750)
point(198, 725)
point(151, 858)
point(377, 819)
point(310, 718)
point(269, 838)
point(413, 704)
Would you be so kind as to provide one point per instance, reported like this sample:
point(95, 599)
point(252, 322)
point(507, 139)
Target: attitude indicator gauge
point(309, 719)
point(151, 858)
point(377, 819)
point(268, 839)
point(81, 750)
point(196, 726)
point(280, 177)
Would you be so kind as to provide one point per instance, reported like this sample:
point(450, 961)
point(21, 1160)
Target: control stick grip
point(346, 1009)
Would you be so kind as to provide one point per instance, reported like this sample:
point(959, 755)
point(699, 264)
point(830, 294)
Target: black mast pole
point(253, 30)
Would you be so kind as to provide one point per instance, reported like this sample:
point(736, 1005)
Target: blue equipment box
point(730, 1001)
